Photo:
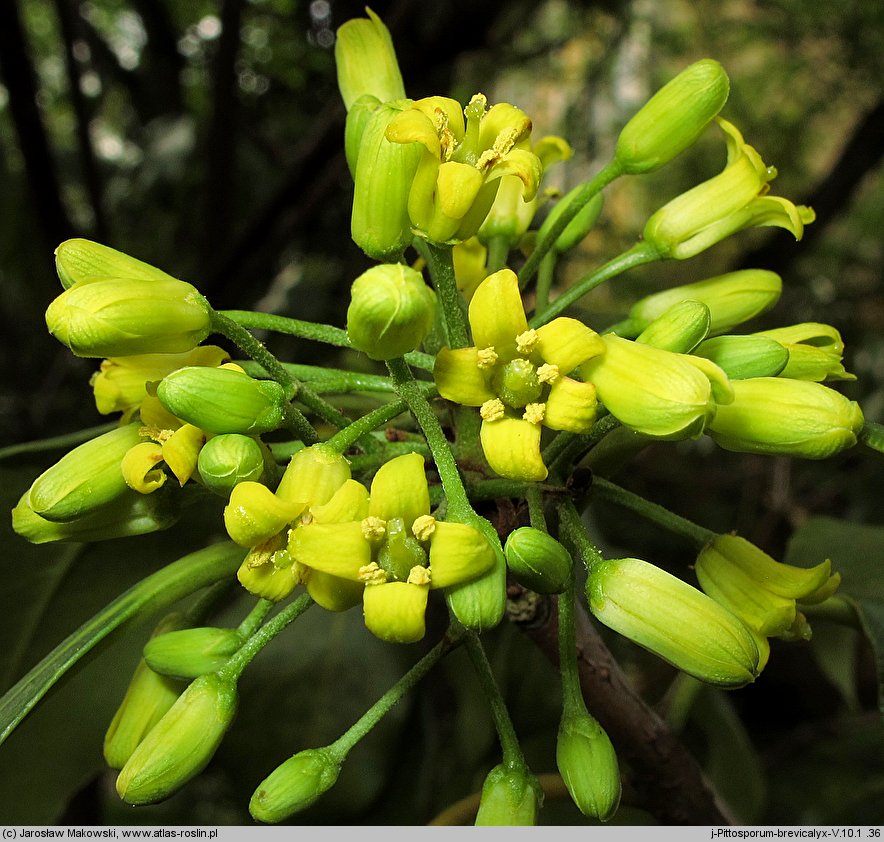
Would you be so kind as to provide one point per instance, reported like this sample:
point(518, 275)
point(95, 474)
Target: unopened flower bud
point(294, 785)
point(732, 299)
point(86, 478)
point(80, 261)
point(511, 795)
point(358, 118)
point(783, 417)
point(366, 61)
point(815, 351)
point(391, 311)
point(673, 118)
point(588, 765)
point(187, 653)
point(112, 317)
point(680, 328)
point(480, 603)
point(229, 459)
point(537, 560)
point(674, 620)
point(223, 400)
point(744, 356)
point(181, 744)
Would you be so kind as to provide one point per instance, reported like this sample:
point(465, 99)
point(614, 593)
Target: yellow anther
point(423, 527)
point(372, 574)
point(306, 518)
point(548, 373)
point(487, 357)
point(418, 575)
point(492, 410)
point(373, 528)
point(534, 413)
point(156, 434)
point(526, 342)
point(502, 146)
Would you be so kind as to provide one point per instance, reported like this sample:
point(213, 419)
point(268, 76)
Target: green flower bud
point(366, 61)
point(358, 118)
point(391, 311)
point(187, 653)
point(80, 261)
point(537, 560)
point(294, 785)
point(680, 328)
point(229, 459)
point(84, 479)
point(815, 351)
point(223, 400)
point(577, 229)
point(384, 171)
point(511, 796)
point(181, 744)
point(742, 357)
point(782, 417)
point(732, 299)
point(588, 765)
point(673, 620)
point(673, 118)
point(480, 603)
point(116, 317)
point(148, 697)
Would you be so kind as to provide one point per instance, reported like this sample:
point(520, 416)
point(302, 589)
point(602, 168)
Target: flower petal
point(503, 119)
point(571, 406)
point(459, 378)
point(350, 502)
point(336, 548)
point(332, 592)
point(457, 186)
point(181, 451)
point(567, 343)
point(497, 315)
point(399, 489)
point(458, 553)
point(394, 611)
point(522, 164)
point(414, 126)
point(512, 448)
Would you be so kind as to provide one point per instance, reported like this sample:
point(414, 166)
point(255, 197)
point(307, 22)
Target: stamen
point(534, 413)
point(487, 357)
point(372, 574)
point(423, 527)
point(418, 576)
point(373, 528)
point(548, 373)
point(492, 410)
point(526, 342)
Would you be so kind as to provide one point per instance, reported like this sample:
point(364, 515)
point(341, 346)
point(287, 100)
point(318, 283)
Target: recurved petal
point(524, 165)
point(336, 548)
point(349, 502)
point(571, 406)
point(414, 126)
point(399, 489)
point(394, 611)
point(512, 448)
point(458, 553)
point(457, 186)
point(497, 315)
point(459, 377)
point(503, 118)
point(567, 343)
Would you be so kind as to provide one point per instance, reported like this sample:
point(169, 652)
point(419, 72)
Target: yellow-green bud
point(223, 400)
point(229, 459)
point(366, 61)
point(673, 620)
point(480, 604)
point(815, 351)
point(148, 697)
point(778, 416)
point(294, 785)
point(379, 221)
point(358, 118)
point(732, 299)
point(673, 118)
point(187, 653)
point(84, 479)
point(391, 311)
point(588, 765)
point(744, 356)
point(79, 261)
point(578, 227)
point(511, 795)
point(537, 560)
point(116, 317)
point(680, 328)
point(181, 744)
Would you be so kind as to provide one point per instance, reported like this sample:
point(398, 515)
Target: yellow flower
point(462, 162)
point(518, 377)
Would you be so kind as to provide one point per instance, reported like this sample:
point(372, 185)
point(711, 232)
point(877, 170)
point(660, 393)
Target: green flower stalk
point(782, 417)
point(673, 118)
point(511, 796)
point(79, 261)
point(182, 743)
point(116, 317)
point(391, 311)
point(295, 785)
point(673, 620)
point(518, 377)
point(537, 560)
point(578, 228)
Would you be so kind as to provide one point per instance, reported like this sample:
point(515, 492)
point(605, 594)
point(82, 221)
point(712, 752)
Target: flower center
point(400, 552)
point(517, 384)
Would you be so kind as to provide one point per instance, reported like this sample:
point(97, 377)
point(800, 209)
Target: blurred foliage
point(206, 138)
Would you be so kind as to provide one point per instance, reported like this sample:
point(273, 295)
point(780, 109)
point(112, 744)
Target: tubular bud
point(680, 328)
point(746, 356)
point(229, 459)
point(110, 317)
point(294, 785)
point(814, 351)
point(391, 311)
point(511, 795)
point(673, 620)
point(673, 118)
point(80, 261)
point(187, 653)
point(223, 400)
point(537, 560)
point(181, 744)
